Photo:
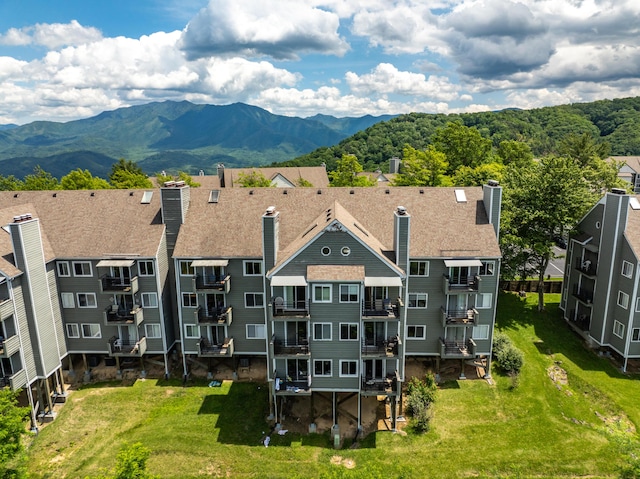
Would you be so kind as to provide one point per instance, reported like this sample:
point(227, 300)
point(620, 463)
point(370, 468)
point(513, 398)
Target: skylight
point(146, 197)
point(461, 196)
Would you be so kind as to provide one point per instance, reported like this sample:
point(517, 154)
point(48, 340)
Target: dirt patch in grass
point(340, 461)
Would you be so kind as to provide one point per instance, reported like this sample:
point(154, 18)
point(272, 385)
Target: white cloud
point(282, 29)
point(51, 35)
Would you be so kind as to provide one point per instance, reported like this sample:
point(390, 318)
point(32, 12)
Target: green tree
point(541, 201)
point(10, 183)
point(462, 145)
point(131, 463)
point(40, 180)
point(583, 148)
point(253, 179)
point(478, 176)
point(127, 175)
point(346, 173)
point(514, 152)
point(12, 427)
point(303, 183)
point(422, 167)
point(186, 177)
point(83, 180)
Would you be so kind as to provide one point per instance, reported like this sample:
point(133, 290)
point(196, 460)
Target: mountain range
point(170, 136)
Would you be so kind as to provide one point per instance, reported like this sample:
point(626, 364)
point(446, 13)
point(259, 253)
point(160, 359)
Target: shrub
point(500, 341)
point(420, 395)
point(510, 359)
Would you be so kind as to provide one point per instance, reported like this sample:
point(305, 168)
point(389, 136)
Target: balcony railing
point(582, 320)
point(380, 308)
point(127, 347)
point(380, 386)
point(212, 282)
point(375, 347)
point(586, 266)
point(117, 284)
point(208, 350)
point(280, 307)
point(116, 315)
point(6, 307)
point(290, 347)
point(450, 349)
point(583, 294)
point(9, 346)
point(470, 284)
point(15, 381)
point(223, 315)
point(288, 385)
point(459, 317)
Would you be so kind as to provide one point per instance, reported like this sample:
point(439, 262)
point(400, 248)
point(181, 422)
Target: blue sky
point(70, 59)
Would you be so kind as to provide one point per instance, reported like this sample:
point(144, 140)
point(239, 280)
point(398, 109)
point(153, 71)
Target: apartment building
point(335, 288)
point(332, 288)
point(600, 294)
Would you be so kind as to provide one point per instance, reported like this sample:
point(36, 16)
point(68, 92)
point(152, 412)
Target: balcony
point(470, 284)
point(208, 350)
point(127, 348)
point(582, 321)
point(218, 316)
point(387, 348)
point(380, 309)
point(451, 349)
point(280, 307)
point(586, 267)
point(289, 347)
point(118, 284)
point(380, 386)
point(285, 385)
point(14, 381)
point(583, 294)
point(459, 317)
point(9, 346)
point(114, 315)
point(6, 307)
point(211, 282)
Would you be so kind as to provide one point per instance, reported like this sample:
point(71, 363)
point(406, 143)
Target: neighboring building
point(630, 170)
point(284, 177)
point(600, 296)
point(336, 287)
point(332, 288)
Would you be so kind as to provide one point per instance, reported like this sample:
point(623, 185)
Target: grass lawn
point(539, 429)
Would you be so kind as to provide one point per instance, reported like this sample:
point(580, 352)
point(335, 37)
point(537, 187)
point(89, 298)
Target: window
point(348, 368)
point(67, 300)
point(82, 268)
point(349, 293)
point(418, 268)
point(326, 251)
point(91, 331)
point(186, 269)
point(638, 305)
point(322, 293)
point(149, 300)
point(255, 331)
point(345, 251)
point(145, 268)
point(635, 334)
point(484, 300)
point(191, 331)
point(480, 332)
point(253, 300)
point(63, 268)
point(322, 367)
point(189, 300)
point(487, 268)
point(416, 332)
point(73, 331)
point(623, 299)
point(87, 300)
point(417, 300)
point(152, 331)
point(322, 331)
point(627, 269)
point(618, 329)
point(252, 268)
point(348, 331)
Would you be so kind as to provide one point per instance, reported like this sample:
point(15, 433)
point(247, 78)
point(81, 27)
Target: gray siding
point(23, 329)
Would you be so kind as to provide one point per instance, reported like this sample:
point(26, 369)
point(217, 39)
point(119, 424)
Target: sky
point(63, 60)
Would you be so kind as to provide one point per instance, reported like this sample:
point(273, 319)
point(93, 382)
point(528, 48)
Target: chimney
point(394, 164)
point(220, 172)
point(401, 233)
point(270, 233)
point(492, 199)
point(175, 197)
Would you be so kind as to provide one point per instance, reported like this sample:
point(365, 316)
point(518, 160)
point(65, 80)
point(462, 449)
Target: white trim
point(149, 295)
point(393, 281)
point(88, 295)
point(255, 295)
point(419, 261)
point(153, 325)
point(288, 281)
point(418, 298)
point(190, 295)
point(254, 262)
point(73, 269)
point(625, 299)
point(256, 326)
point(187, 327)
point(416, 326)
point(209, 262)
point(66, 264)
point(146, 274)
point(313, 333)
point(630, 265)
point(115, 263)
point(357, 325)
point(321, 300)
point(349, 375)
point(68, 305)
point(477, 329)
point(618, 325)
point(458, 263)
point(330, 361)
point(349, 293)
point(72, 326)
point(187, 263)
point(91, 326)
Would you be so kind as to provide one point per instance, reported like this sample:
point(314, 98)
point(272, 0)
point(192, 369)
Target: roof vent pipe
point(402, 210)
point(618, 191)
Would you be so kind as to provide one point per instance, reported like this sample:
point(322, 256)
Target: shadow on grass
point(555, 335)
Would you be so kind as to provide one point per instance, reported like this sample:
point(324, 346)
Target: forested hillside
point(614, 121)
